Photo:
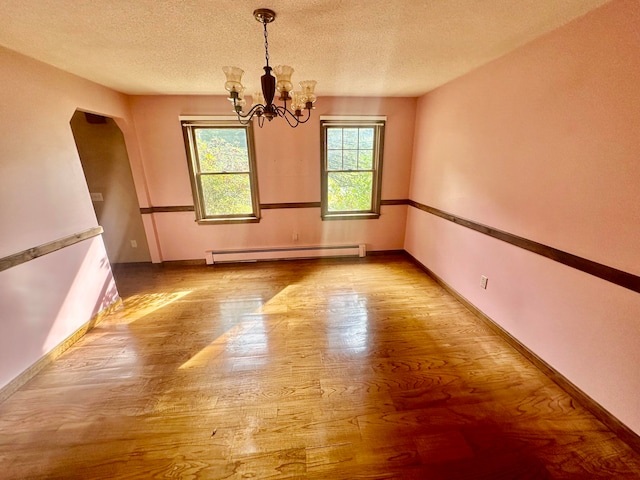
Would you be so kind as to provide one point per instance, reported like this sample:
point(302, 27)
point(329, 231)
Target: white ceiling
point(351, 47)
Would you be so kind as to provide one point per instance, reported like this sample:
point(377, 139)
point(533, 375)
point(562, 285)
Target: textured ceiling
point(351, 47)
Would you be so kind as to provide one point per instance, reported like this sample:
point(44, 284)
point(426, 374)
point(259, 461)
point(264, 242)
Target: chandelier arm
point(306, 119)
point(292, 125)
point(250, 113)
point(243, 122)
point(288, 115)
point(296, 117)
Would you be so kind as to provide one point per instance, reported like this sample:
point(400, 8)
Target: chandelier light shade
point(262, 106)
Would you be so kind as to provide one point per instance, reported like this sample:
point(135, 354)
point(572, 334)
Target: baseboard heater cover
point(284, 253)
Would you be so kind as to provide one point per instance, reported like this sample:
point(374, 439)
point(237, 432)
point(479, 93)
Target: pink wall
point(288, 171)
point(543, 143)
point(44, 301)
point(44, 197)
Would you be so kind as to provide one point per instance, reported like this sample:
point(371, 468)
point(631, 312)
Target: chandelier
point(263, 106)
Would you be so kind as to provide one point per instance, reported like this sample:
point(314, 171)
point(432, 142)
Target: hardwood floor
point(334, 369)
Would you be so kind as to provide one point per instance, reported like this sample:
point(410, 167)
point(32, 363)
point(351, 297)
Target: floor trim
point(11, 387)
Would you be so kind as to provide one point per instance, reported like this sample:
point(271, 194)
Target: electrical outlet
point(483, 282)
point(134, 244)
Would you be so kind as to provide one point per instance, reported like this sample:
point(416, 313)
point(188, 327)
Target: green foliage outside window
point(222, 150)
point(349, 191)
point(227, 194)
point(222, 172)
point(349, 169)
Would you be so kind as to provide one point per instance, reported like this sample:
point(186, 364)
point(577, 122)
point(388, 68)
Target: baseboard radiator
point(284, 253)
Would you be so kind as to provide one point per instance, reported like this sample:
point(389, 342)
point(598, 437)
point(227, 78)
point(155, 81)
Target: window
point(351, 168)
point(223, 171)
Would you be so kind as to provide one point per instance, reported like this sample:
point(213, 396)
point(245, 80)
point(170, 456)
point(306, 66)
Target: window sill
point(224, 221)
point(350, 216)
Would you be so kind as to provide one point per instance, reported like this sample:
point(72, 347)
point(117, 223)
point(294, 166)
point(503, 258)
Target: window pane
point(350, 138)
point(366, 138)
point(334, 138)
point(334, 158)
point(365, 160)
point(222, 149)
point(349, 191)
point(350, 159)
point(228, 194)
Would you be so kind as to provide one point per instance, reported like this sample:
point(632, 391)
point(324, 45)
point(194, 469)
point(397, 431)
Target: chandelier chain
point(266, 43)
